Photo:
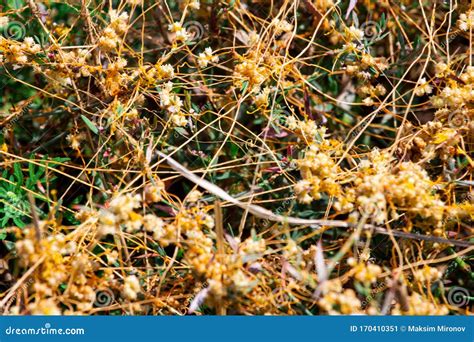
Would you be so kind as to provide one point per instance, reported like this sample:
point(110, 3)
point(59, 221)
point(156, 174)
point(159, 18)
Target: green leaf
point(4, 221)
point(347, 118)
point(223, 176)
point(196, 108)
point(19, 222)
point(181, 131)
point(245, 84)
point(15, 4)
point(234, 149)
point(18, 174)
point(9, 245)
point(361, 289)
point(89, 124)
point(180, 254)
point(31, 171)
point(120, 110)
point(383, 20)
point(333, 85)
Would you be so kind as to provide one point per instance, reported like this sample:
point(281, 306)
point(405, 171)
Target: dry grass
point(236, 157)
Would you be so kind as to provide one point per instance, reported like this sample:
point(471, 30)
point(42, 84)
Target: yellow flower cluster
point(113, 34)
point(336, 300)
point(17, 52)
point(319, 171)
point(252, 71)
point(458, 92)
point(207, 56)
point(281, 26)
point(424, 87)
point(252, 246)
point(116, 78)
point(194, 4)
point(307, 128)
point(120, 213)
point(366, 62)
point(353, 33)
point(428, 274)
point(365, 273)
point(430, 141)
point(223, 273)
point(180, 33)
point(131, 287)
point(172, 104)
point(407, 186)
point(372, 93)
point(261, 99)
point(420, 306)
point(466, 21)
point(61, 264)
